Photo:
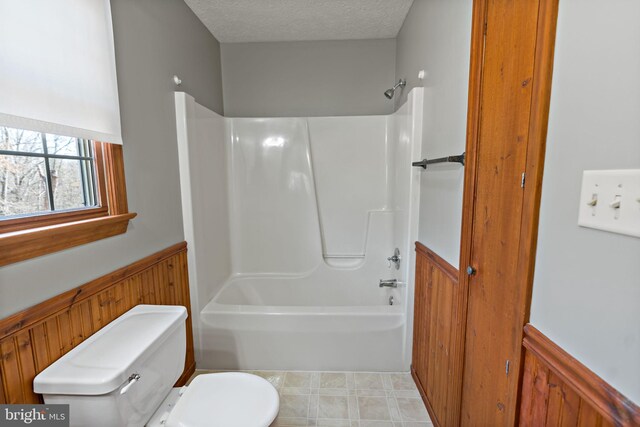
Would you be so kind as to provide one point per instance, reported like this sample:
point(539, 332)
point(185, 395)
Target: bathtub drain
point(391, 300)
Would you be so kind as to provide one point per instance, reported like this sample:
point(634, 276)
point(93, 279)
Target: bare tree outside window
point(41, 173)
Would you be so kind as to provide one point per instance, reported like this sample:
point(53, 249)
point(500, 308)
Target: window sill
point(25, 244)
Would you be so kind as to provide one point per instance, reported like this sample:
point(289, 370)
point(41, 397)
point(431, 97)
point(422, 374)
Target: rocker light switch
point(610, 201)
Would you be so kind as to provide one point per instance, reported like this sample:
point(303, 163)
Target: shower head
point(390, 92)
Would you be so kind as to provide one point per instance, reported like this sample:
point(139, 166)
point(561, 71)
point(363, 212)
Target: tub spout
point(390, 283)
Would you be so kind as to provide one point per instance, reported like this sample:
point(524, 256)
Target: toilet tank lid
point(104, 361)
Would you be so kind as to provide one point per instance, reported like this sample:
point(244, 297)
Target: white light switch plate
point(605, 188)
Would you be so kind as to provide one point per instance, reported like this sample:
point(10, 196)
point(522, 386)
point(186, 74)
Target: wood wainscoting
point(438, 336)
point(558, 390)
point(36, 337)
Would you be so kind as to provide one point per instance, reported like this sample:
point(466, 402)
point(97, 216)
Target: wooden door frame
point(537, 133)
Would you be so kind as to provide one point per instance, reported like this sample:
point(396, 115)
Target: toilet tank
point(93, 378)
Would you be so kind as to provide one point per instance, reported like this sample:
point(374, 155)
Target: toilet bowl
point(123, 375)
point(230, 399)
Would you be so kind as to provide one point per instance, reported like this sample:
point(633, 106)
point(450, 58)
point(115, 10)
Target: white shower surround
point(289, 222)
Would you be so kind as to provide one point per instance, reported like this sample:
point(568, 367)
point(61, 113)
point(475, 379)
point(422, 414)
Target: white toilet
point(123, 376)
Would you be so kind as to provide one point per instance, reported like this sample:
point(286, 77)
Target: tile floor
point(349, 399)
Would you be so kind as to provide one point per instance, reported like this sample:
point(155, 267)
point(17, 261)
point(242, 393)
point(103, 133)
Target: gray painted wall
point(436, 37)
point(586, 292)
point(153, 41)
point(298, 79)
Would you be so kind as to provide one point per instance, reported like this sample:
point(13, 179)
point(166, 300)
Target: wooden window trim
point(36, 235)
point(44, 220)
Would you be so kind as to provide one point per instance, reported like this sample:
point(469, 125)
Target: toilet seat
point(226, 399)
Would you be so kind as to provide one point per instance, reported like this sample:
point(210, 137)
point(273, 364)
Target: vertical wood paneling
point(554, 405)
point(148, 291)
point(77, 334)
point(64, 332)
point(96, 316)
point(33, 339)
point(11, 371)
point(570, 407)
point(109, 305)
point(419, 324)
point(557, 390)
point(120, 305)
point(53, 339)
point(436, 331)
point(85, 318)
point(40, 347)
point(2, 394)
point(27, 364)
point(183, 266)
point(135, 288)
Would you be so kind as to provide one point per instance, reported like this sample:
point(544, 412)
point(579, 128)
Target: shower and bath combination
point(390, 92)
point(340, 299)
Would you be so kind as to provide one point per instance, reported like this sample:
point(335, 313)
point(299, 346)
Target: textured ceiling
point(288, 20)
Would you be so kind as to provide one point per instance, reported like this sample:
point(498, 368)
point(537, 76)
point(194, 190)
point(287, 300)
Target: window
point(45, 173)
point(57, 192)
point(48, 179)
point(61, 168)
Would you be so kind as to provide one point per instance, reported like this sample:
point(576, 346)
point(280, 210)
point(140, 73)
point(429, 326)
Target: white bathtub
point(289, 323)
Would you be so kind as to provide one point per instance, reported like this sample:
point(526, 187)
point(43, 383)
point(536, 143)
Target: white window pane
point(20, 140)
point(23, 186)
point(66, 180)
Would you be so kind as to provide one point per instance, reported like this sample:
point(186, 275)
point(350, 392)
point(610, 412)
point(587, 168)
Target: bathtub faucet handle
point(390, 283)
point(395, 258)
